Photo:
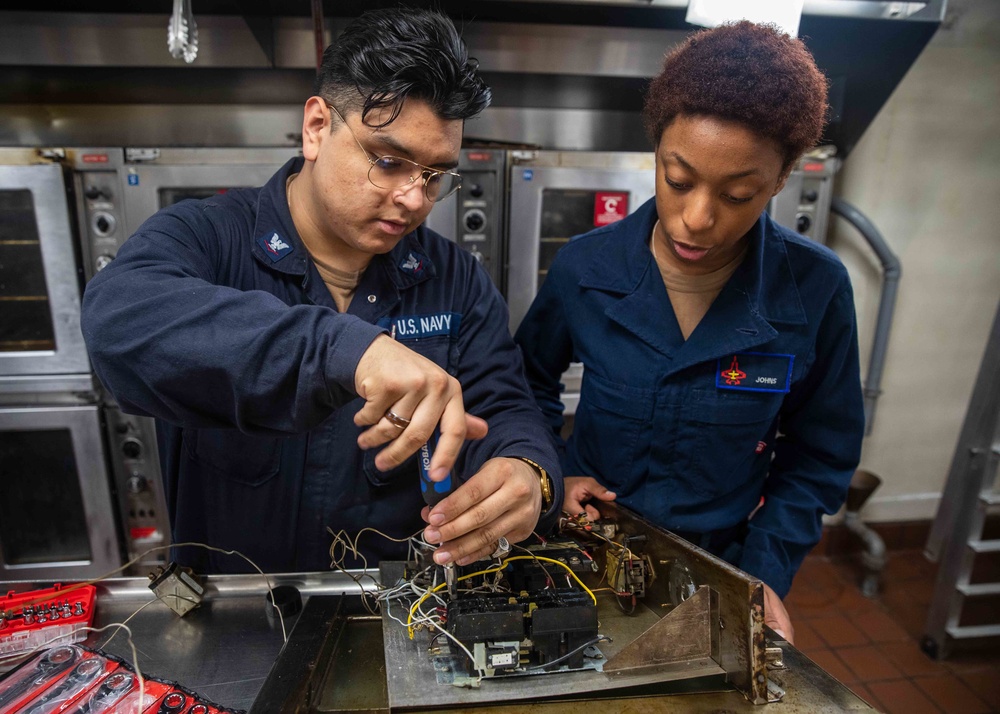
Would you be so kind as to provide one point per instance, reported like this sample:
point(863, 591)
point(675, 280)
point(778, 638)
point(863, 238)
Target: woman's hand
point(776, 616)
point(579, 490)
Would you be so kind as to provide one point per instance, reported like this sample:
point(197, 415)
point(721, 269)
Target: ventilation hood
point(566, 74)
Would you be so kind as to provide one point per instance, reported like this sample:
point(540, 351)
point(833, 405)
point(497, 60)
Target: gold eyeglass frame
point(426, 172)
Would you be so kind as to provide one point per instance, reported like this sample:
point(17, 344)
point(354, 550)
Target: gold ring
point(396, 420)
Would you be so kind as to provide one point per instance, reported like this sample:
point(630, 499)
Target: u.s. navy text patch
point(418, 327)
point(755, 372)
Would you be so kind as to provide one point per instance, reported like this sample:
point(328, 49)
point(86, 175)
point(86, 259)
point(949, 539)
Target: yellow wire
point(416, 605)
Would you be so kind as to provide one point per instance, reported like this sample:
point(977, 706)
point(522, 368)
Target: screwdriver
point(434, 492)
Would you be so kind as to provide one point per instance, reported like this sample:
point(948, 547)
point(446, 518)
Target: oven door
point(39, 281)
point(553, 197)
point(157, 178)
point(57, 515)
point(556, 195)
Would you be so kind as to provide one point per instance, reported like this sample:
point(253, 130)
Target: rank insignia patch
point(274, 246)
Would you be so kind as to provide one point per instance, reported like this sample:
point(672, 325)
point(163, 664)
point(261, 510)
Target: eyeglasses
point(393, 172)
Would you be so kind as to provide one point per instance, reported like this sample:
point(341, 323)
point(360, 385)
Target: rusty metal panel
point(738, 634)
point(682, 634)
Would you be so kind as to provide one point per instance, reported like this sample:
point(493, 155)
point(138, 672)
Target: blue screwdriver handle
point(433, 491)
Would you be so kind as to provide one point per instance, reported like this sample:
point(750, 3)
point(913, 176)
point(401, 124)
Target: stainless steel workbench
point(225, 650)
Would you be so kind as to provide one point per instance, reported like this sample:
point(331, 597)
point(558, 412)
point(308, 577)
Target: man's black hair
point(385, 56)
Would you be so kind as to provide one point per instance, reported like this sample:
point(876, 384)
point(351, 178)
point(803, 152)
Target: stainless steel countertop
point(222, 650)
point(225, 649)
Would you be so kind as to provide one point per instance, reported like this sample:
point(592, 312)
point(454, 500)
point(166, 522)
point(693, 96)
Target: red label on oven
point(94, 158)
point(479, 156)
point(609, 207)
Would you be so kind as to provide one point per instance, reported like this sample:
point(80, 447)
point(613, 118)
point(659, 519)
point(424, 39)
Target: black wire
point(557, 660)
point(548, 575)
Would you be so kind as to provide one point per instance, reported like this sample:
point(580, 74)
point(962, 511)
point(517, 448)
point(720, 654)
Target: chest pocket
point(612, 431)
point(722, 430)
point(250, 460)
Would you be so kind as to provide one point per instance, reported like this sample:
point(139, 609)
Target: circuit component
point(533, 575)
point(628, 574)
point(177, 587)
point(532, 631)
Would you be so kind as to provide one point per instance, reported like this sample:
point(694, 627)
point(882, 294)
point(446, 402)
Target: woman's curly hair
point(753, 74)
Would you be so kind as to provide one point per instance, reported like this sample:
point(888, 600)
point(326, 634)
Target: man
point(282, 335)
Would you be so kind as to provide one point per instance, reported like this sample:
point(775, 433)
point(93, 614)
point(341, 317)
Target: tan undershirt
point(342, 284)
point(692, 295)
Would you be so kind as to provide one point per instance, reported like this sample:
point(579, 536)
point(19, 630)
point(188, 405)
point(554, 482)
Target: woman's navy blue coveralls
point(763, 399)
point(212, 316)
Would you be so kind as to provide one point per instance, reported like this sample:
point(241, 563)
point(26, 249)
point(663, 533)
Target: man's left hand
point(776, 616)
point(503, 499)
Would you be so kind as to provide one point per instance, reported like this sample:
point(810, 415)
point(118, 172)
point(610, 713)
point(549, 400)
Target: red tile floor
point(872, 645)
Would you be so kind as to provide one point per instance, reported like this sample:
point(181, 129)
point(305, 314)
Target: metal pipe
point(891, 272)
point(873, 557)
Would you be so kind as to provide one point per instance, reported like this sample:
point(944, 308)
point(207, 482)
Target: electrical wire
point(563, 658)
point(126, 621)
point(416, 605)
point(154, 549)
point(343, 545)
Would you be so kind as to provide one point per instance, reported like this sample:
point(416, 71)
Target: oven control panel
point(473, 217)
point(100, 210)
point(804, 203)
point(134, 461)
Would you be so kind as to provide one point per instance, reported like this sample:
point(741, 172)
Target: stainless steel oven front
point(39, 277)
point(555, 195)
point(154, 178)
point(56, 516)
point(81, 494)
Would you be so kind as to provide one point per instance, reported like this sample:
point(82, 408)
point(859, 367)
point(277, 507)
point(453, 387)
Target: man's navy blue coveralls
point(213, 319)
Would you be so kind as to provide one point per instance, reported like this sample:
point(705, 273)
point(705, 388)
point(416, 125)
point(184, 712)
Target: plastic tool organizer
point(32, 619)
point(71, 679)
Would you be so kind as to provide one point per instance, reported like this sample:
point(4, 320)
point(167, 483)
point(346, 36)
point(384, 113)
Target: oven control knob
point(810, 196)
point(476, 190)
point(136, 484)
point(475, 220)
point(94, 193)
point(803, 223)
point(103, 223)
point(103, 261)
point(132, 448)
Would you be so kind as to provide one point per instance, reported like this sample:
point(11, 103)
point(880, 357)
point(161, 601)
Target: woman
point(721, 396)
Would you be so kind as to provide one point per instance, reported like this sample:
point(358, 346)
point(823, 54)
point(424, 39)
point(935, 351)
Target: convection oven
point(56, 519)
point(75, 504)
point(154, 178)
point(555, 195)
point(39, 280)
